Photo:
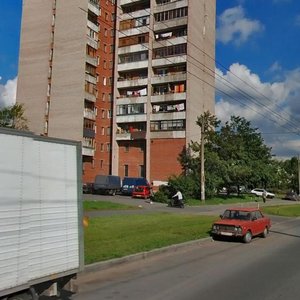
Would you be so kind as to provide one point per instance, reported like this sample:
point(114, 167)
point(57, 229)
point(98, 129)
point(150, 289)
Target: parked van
point(107, 184)
point(129, 183)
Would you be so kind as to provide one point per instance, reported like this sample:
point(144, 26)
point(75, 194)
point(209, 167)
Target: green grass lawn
point(223, 200)
point(117, 236)
point(283, 210)
point(106, 205)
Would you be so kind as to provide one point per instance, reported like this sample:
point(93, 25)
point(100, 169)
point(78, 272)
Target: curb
point(139, 256)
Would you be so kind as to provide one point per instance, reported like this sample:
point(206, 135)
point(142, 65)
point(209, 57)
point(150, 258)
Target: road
point(267, 269)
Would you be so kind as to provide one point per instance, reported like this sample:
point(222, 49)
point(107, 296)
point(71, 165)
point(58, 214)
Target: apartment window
point(112, 33)
point(130, 109)
point(133, 57)
point(110, 81)
point(104, 81)
point(170, 51)
point(108, 131)
point(171, 14)
point(112, 48)
point(110, 97)
point(109, 115)
point(105, 32)
point(108, 147)
point(102, 130)
point(111, 64)
point(167, 125)
point(90, 69)
point(101, 164)
point(91, 51)
point(104, 64)
point(101, 147)
point(126, 170)
point(113, 17)
point(106, 16)
point(103, 114)
point(105, 48)
point(103, 97)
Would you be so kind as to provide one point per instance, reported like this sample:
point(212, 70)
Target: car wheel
point(247, 237)
point(265, 232)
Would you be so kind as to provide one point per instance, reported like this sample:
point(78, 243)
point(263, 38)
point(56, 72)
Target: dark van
point(129, 183)
point(107, 184)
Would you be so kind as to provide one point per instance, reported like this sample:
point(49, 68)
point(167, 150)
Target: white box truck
point(41, 236)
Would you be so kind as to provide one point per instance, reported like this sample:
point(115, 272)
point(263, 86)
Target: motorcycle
point(175, 202)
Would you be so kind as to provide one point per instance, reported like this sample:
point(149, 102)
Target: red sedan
point(242, 222)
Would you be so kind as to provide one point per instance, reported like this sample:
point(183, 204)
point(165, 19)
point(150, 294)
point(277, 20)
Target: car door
point(259, 222)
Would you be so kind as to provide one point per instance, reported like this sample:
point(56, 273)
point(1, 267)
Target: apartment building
point(65, 76)
point(164, 80)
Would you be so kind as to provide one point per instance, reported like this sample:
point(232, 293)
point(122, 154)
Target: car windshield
point(236, 215)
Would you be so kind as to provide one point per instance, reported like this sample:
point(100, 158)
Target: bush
point(160, 196)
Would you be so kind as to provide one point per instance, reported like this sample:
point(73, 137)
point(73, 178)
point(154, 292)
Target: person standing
point(264, 196)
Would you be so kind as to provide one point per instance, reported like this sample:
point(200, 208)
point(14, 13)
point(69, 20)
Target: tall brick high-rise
point(128, 78)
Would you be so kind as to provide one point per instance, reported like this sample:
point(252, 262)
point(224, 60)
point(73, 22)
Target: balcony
point(133, 48)
point(168, 116)
point(125, 2)
point(89, 114)
point(136, 14)
point(138, 135)
point(177, 134)
point(93, 6)
point(143, 64)
point(168, 61)
point(135, 135)
point(90, 78)
point(168, 97)
point(131, 118)
point(124, 83)
point(175, 77)
point(173, 4)
point(166, 25)
point(91, 60)
point(90, 97)
point(93, 26)
point(170, 42)
point(91, 42)
point(126, 136)
point(90, 133)
point(88, 151)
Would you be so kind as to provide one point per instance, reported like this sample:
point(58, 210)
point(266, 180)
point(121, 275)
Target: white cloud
point(272, 107)
point(297, 20)
point(8, 93)
point(234, 27)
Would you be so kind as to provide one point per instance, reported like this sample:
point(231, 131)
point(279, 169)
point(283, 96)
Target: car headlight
point(215, 227)
point(238, 229)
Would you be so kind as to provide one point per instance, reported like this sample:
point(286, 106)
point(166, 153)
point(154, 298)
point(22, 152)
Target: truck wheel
point(247, 237)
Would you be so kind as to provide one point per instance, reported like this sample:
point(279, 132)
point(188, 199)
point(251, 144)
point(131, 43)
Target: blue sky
point(257, 69)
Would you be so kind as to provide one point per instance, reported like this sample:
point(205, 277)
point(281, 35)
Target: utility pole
point(202, 177)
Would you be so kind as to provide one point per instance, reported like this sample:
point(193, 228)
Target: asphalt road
point(267, 269)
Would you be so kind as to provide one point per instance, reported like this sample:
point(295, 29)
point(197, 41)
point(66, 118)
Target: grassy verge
point(283, 210)
point(105, 205)
point(224, 200)
point(118, 236)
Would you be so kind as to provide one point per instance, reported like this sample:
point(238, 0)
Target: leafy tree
point(13, 117)
point(235, 155)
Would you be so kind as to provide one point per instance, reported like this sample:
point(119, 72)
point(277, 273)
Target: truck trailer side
point(41, 236)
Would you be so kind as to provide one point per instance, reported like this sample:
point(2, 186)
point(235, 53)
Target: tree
point(235, 155)
point(13, 117)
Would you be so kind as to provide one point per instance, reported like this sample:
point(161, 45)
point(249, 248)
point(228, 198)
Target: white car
point(259, 192)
